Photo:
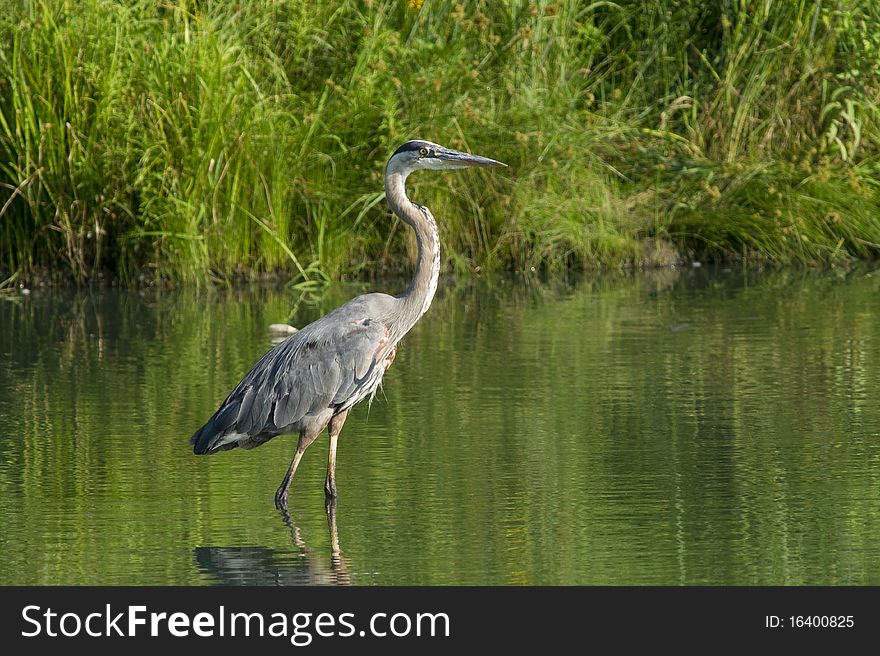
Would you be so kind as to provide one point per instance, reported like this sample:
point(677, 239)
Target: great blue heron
point(312, 379)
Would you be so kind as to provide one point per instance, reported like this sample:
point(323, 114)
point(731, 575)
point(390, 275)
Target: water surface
point(665, 428)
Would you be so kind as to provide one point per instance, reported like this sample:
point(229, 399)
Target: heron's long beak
point(457, 158)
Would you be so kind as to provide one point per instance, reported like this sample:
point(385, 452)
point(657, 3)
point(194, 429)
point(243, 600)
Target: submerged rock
point(281, 328)
point(278, 332)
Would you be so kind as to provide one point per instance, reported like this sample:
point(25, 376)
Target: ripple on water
point(711, 429)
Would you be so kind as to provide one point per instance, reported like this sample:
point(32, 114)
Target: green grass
point(209, 140)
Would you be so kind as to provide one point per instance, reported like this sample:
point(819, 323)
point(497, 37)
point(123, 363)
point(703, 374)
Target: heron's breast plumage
point(371, 379)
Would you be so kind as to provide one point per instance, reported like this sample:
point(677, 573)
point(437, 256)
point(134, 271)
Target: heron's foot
point(281, 498)
point(330, 489)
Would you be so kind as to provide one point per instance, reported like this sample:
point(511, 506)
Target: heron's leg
point(281, 494)
point(335, 428)
point(301, 446)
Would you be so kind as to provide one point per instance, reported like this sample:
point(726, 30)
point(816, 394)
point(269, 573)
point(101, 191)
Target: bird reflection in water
point(266, 566)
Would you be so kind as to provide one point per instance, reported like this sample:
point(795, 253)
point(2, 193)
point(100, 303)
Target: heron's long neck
point(416, 300)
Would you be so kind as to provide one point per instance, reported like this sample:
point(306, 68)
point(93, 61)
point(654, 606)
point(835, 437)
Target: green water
point(673, 428)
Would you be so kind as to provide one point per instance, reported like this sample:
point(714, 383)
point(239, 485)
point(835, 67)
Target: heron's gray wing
point(333, 369)
point(330, 364)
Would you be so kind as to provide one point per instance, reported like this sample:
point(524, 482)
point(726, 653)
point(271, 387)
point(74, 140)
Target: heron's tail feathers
point(209, 440)
point(200, 440)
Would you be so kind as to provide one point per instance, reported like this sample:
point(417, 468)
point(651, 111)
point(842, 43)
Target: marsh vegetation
point(199, 140)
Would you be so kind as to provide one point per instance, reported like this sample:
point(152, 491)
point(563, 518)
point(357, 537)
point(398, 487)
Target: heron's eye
point(423, 151)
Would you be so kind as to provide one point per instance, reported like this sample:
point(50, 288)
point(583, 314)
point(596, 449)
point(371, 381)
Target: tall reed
point(199, 140)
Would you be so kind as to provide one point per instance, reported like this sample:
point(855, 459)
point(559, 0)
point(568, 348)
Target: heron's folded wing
point(322, 370)
point(326, 365)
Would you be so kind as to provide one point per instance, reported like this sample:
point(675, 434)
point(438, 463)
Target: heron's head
point(417, 154)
